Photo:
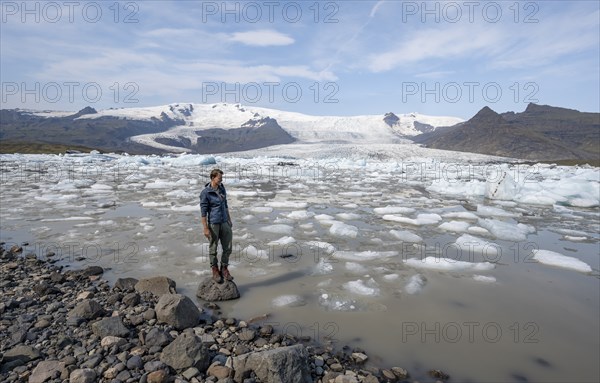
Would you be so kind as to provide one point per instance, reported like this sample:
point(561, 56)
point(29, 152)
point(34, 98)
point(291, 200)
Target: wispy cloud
point(262, 38)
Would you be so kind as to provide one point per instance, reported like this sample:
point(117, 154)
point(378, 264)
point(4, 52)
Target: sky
point(446, 58)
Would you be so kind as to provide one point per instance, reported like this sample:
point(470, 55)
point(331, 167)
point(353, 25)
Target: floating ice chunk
point(159, 184)
point(391, 277)
point(393, 210)
point(352, 194)
point(483, 278)
point(301, 215)
point(101, 187)
point(478, 230)
point(320, 247)
point(448, 264)
point(251, 253)
point(503, 188)
point(324, 217)
point(248, 217)
point(359, 287)
point(186, 208)
point(156, 204)
point(364, 255)
point(473, 188)
point(335, 303)
point(282, 241)
point(552, 258)
point(261, 209)
point(508, 231)
point(323, 267)
point(574, 239)
point(74, 218)
point(242, 193)
point(422, 219)
point(350, 206)
point(340, 229)
point(356, 268)
point(415, 284)
point(487, 211)
point(468, 243)
point(406, 236)
point(461, 215)
point(455, 226)
point(348, 216)
point(278, 229)
point(288, 301)
point(287, 205)
point(307, 226)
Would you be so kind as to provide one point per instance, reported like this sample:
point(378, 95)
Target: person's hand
point(230, 223)
point(207, 233)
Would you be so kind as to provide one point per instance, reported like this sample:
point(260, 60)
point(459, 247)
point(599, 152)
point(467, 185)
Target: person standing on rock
point(217, 224)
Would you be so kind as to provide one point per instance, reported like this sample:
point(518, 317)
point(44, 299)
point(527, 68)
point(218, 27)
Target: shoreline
point(47, 335)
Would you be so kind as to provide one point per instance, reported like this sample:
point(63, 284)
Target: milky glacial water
point(313, 251)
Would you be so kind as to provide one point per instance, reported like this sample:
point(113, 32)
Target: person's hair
point(215, 172)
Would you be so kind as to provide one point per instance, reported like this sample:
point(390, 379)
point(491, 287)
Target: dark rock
point(56, 277)
point(46, 370)
point(438, 374)
point(178, 311)
point(266, 330)
point(21, 352)
point(154, 365)
point(43, 288)
point(157, 337)
point(135, 362)
point(187, 350)
point(112, 326)
point(131, 299)
point(125, 284)
point(82, 375)
point(157, 286)
point(210, 290)
point(87, 309)
point(281, 365)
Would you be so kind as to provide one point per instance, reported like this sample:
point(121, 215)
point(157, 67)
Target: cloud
point(262, 38)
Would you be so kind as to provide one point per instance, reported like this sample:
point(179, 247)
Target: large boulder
point(187, 350)
point(48, 369)
point(280, 365)
point(177, 310)
point(112, 326)
point(156, 285)
point(125, 284)
point(211, 291)
point(87, 309)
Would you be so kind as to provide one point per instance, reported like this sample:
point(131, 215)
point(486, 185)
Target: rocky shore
point(72, 326)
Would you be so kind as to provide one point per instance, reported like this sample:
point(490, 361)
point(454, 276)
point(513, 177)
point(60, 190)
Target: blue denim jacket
point(214, 205)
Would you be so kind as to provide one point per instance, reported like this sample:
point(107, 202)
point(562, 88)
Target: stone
point(370, 379)
point(210, 290)
point(149, 314)
point(266, 330)
point(154, 365)
point(125, 284)
point(82, 375)
point(112, 326)
point(220, 372)
point(208, 339)
point(247, 335)
point(87, 309)
point(280, 365)
point(135, 363)
point(44, 288)
point(400, 372)
point(156, 285)
point(389, 375)
point(187, 350)
point(85, 295)
point(111, 341)
point(438, 374)
point(190, 373)
point(157, 337)
point(345, 379)
point(359, 357)
point(131, 299)
point(178, 311)
point(47, 369)
point(21, 353)
point(159, 376)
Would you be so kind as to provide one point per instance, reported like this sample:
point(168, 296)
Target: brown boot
point(216, 275)
point(225, 273)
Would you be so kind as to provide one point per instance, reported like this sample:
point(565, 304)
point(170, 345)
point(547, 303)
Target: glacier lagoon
point(486, 270)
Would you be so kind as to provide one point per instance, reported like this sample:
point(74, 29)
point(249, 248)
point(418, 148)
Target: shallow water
point(534, 323)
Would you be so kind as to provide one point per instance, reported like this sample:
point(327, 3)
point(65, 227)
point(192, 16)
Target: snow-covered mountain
point(196, 118)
